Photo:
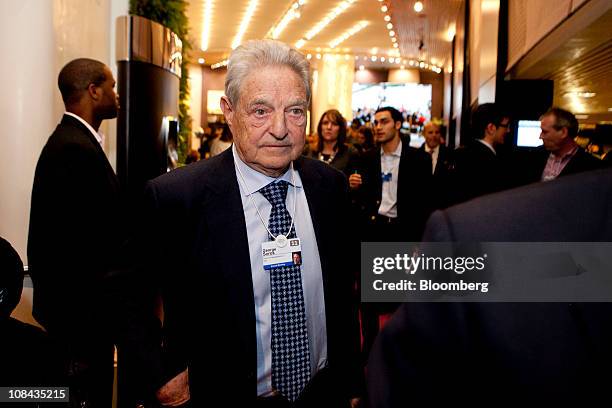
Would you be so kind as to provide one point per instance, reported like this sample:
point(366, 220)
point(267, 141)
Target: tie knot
point(276, 193)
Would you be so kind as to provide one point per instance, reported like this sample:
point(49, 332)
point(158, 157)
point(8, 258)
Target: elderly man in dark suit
point(483, 354)
point(560, 154)
point(276, 333)
point(442, 163)
point(75, 230)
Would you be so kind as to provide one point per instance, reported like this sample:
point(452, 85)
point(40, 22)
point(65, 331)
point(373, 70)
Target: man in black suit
point(560, 154)
point(441, 163)
point(392, 183)
point(479, 168)
point(75, 230)
point(504, 353)
point(393, 192)
point(220, 244)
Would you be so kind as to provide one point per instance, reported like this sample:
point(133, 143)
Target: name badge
point(276, 256)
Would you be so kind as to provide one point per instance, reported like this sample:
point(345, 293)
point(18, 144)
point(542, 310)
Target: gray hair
point(255, 54)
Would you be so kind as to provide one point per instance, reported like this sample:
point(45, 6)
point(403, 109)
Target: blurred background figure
point(222, 140)
point(28, 357)
point(364, 139)
point(331, 147)
point(441, 162)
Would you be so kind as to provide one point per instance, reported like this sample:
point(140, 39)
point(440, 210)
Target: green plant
point(171, 13)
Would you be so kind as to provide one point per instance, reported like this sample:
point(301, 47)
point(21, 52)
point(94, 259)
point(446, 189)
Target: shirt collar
point(87, 125)
point(397, 152)
point(429, 149)
point(254, 180)
point(566, 155)
point(488, 145)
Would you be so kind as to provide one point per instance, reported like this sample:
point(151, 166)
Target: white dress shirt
point(312, 278)
point(488, 145)
point(87, 125)
point(434, 156)
point(389, 163)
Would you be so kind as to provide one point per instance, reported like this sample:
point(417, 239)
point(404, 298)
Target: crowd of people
point(231, 283)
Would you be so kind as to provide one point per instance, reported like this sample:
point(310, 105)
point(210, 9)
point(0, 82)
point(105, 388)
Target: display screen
point(528, 133)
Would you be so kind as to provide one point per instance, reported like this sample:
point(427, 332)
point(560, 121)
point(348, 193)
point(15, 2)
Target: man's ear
point(398, 125)
point(94, 91)
point(227, 109)
point(490, 129)
point(564, 132)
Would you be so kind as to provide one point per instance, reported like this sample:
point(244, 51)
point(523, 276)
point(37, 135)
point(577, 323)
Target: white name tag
point(275, 256)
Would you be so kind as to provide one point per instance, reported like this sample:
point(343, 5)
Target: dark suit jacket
point(441, 179)
point(413, 189)
point(478, 171)
point(199, 250)
point(74, 227)
point(582, 161)
point(504, 353)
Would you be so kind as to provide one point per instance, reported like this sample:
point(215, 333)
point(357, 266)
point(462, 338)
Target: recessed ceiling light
point(395, 45)
point(418, 6)
point(389, 26)
point(200, 60)
point(387, 18)
point(384, 9)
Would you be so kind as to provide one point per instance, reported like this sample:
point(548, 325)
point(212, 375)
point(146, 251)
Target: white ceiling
point(409, 26)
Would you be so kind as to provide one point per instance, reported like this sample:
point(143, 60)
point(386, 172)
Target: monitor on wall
point(528, 133)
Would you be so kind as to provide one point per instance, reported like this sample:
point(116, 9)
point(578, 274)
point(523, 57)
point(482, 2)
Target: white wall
point(27, 80)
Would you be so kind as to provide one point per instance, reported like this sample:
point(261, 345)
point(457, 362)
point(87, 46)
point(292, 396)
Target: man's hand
point(355, 402)
point(175, 392)
point(355, 181)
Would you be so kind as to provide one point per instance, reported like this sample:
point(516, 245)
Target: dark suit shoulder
point(571, 208)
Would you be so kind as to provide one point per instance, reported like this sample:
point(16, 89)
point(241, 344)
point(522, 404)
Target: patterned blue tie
point(290, 353)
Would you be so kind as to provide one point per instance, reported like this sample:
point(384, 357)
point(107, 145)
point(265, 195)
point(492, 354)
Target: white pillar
point(28, 82)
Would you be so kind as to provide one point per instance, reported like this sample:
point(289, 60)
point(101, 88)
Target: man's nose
point(278, 129)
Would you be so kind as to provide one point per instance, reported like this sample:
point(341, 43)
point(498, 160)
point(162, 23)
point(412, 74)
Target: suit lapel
point(225, 218)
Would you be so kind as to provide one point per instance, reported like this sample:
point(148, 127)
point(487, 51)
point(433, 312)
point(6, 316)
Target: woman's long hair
point(335, 116)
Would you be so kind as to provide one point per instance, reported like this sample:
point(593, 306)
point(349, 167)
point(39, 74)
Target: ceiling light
point(309, 56)
point(325, 21)
point(609, 109)
point(418, 6)
point(361, 67)
point(206, 25)
point(389, 26)
point(382, 59)
point(395, 45)
point(387, 18)
point(245, 23)
point(219, 64)
point(580, 94)
point(393, 39)
point(581, 117)
point(374, 58)
point(392, 33)
point(292, 13)
point(391, 60)
point(349, 33)
point(200, 60)
point(384, 9)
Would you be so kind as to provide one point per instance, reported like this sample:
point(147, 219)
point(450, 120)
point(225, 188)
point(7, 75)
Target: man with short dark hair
point(479, 167)
point(75, 230)
point(559, 129)
point(393, 192)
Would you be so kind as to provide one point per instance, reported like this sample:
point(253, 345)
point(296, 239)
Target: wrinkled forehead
point(273, 82)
